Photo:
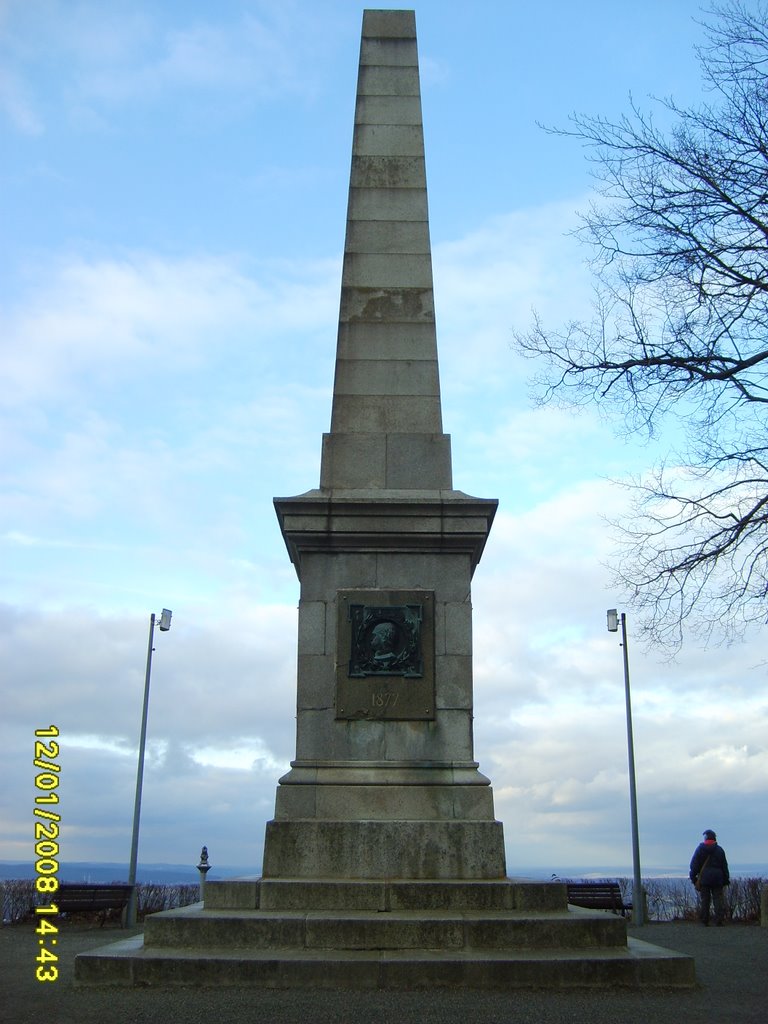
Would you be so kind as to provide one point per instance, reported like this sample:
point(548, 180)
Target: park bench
point(74, 896)
point(598, 896)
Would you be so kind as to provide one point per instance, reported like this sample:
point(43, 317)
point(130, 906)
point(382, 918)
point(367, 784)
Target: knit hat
point(709, 834)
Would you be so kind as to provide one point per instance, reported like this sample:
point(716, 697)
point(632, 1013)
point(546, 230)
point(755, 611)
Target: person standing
point(709, 873)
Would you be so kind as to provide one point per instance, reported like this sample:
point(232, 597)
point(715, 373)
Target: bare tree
point(679, 336)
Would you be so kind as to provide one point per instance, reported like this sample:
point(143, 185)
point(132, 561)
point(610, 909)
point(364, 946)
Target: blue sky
point(173, 187)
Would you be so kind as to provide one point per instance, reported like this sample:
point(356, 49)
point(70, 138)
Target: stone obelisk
point(384, 783)
point(384, 865)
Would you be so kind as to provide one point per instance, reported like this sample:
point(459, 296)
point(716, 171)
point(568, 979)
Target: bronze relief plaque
point(385, 667)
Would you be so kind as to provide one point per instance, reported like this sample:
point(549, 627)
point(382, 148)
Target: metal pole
point(130, 915)
point(637, 883)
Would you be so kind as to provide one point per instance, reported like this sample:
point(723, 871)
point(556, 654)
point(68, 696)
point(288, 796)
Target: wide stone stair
point(285, 933)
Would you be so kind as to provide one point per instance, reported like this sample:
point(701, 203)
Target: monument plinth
point(384, 865)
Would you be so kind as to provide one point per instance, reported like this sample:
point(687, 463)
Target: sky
point(173, 188)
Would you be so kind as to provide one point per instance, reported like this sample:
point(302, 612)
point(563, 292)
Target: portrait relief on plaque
point(385, 666)
point(385, 641)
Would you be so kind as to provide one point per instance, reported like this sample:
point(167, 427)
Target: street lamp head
point(613, 620)
point(165, 620)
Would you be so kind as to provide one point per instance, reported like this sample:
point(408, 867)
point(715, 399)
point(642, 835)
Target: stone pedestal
point(284, 934)
point(384, 784)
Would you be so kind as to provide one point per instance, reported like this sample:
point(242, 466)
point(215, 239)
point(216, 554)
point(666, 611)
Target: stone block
point(388, 80)
point(539, 897)
point(389, 24)
point(562, 931)
point(448, 737)
point(296, 802)
point(384, 849)
point(397, 803)
point(316, 681)
point(312, 621)
point(244, 929)
point(388, 110)
point(470, 897)
point(453, 679)
point(458, 627)
point(388, 172)
point(419, 461)
point(387, 270)
point(376, 340)
point(232, 894)
point(389, 52)
point(321, 737)
point(447, 574)
point(388, 204)
point(388, 414)
point(322, 574)
point(382, 377)
point(383, 931)
point(387, 305)
point(388, 236)
point(387, 140)
point(278, 894)
point(353, 460)
point(112, 965)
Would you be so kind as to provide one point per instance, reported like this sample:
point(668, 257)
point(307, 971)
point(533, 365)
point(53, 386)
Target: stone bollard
point(764, 906)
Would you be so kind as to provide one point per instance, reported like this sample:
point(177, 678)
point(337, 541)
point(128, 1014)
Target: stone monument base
point(384, 934)
point(383, 849)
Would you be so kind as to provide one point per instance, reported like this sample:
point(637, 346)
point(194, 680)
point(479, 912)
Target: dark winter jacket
point(716, 873)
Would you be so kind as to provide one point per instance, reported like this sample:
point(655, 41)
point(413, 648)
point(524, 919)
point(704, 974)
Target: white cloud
point(112, 319)
point(100, 57)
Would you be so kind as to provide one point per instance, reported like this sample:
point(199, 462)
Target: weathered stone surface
point(384, 802)
point(387, 305)
point(235, 894)
point(386, 205)
point(392, 52)
point(640, 966)
point(388, 270)
point(388, 172)
point(388, 80)
point(393, 461)
point(390, 414)
point(388, 110)
point(394, 377)
point(389, 25)
point(384, 849)
point(391, 236)
point(312, 621)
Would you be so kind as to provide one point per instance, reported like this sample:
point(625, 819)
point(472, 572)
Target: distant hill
point(85, 871)
point(178, 874)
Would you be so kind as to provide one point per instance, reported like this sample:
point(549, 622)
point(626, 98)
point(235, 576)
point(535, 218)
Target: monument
point(384, 864)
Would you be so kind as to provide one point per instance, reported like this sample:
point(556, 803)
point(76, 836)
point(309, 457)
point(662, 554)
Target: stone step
point(636, 965)
point(331, 894)
point(364, 930)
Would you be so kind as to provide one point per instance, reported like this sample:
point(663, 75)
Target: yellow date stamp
point(47, 822)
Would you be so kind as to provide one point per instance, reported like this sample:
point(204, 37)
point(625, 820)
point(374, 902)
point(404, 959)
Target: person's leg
point(704, 896)
point(718, 900)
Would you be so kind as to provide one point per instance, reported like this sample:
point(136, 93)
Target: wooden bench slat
point(597, 896)
point(76, 896)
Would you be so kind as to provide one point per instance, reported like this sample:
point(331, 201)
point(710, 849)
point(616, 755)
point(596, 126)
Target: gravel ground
point(731, 967)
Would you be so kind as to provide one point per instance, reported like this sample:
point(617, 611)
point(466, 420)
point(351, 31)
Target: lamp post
point(163, 625)
point(637, 883)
